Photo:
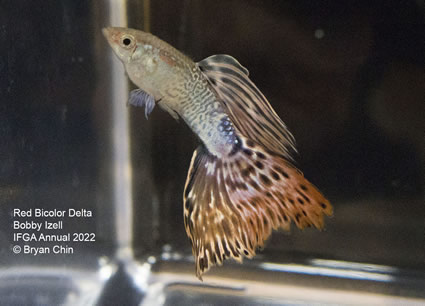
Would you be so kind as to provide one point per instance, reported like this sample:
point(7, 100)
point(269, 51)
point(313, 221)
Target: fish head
point(150, 62)
point(122, 41)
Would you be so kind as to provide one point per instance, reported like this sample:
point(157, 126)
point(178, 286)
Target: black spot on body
point(323, 205)
point(281, 171)
point(304, 213)
point(250, 143)
point(303, 187)
point(254, 184)
point(248, 170)
point(265, 180)
point(247, 152)
point(300, 201)
point(246, 252)
point(275, 175)
point(297, 217)
point(259, 165)
point(304, 196)
point(260, 155)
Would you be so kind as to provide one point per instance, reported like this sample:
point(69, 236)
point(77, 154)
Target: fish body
point(170, 77)
point(241, 182)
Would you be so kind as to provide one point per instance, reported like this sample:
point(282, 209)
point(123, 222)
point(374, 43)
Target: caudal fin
point(232, 205)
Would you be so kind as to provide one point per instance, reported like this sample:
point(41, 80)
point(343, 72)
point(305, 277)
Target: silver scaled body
point(180, 88)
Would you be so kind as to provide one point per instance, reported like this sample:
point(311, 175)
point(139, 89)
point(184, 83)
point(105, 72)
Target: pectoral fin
point(140, 98)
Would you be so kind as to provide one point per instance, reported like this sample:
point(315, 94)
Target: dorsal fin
point(247, 107)
point(214, 61)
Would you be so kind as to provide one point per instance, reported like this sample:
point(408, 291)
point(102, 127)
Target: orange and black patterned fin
point(232, 205)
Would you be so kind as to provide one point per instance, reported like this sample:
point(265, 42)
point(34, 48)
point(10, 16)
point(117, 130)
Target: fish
point(242, 182)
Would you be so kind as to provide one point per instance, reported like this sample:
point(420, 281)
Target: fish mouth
point(110, 34)
point(106, 32)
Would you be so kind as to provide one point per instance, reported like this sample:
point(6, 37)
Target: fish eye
point(127, 41)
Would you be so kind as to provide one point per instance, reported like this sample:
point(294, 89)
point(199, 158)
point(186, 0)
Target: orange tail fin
point(231, 205)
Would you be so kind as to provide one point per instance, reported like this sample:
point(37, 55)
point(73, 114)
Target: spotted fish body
point(241, 183)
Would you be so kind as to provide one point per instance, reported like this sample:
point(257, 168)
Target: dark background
point(347, 78)
point(354, 100)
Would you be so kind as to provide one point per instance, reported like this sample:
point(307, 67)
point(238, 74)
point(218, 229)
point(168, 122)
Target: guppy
point(241, 182)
